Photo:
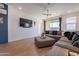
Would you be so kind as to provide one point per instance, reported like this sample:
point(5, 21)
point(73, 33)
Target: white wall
point(15, 32)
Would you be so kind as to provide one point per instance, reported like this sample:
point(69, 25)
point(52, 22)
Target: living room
point(30, 24)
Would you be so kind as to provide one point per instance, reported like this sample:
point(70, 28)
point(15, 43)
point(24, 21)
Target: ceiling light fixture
point(47, 13)
point(20, 8)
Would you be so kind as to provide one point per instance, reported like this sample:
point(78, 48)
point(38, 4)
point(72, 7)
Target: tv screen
point(26, 23)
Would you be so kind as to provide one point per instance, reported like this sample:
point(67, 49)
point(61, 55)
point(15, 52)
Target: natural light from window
point(71, 23)
point(54, 26)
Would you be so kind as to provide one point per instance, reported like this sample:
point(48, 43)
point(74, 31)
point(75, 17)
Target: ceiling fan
point(47, 11)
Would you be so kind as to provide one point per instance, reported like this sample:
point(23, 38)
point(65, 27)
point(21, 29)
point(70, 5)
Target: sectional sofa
point(70, 41)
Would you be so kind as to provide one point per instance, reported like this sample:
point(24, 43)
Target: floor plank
point(25, 47)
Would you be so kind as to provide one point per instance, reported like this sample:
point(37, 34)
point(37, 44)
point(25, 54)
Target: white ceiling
point(55, 8)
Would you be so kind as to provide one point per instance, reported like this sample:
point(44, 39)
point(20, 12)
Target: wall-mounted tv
point(26, 23)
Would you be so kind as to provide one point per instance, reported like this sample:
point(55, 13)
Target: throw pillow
point(67, 34)
point(76, 43)
point(71, 35)
point(75, 37)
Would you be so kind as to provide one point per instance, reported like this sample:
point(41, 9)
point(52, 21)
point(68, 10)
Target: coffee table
point(40, 43)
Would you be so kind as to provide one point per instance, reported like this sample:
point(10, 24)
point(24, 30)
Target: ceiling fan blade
point(46, 13)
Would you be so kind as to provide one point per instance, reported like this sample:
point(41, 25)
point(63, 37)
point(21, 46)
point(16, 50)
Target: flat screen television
point(26, 23)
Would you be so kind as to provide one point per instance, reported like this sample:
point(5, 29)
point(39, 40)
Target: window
point(71, 24)
point(54, 26)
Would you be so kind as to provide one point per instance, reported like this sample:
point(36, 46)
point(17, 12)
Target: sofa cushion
point(46, 32)
point(67, 34)
point(76, 43)
point(65, 39)
point(71, 35)
point(75, 37)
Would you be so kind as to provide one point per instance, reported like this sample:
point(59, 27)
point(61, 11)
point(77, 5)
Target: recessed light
point(20, 8)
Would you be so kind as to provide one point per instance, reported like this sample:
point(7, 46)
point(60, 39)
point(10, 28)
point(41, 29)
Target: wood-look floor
point(25, 47)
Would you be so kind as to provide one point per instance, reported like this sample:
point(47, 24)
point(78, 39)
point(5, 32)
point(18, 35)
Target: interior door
point(4, 26)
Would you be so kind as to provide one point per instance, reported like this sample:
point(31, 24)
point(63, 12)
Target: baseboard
point(22, 38)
